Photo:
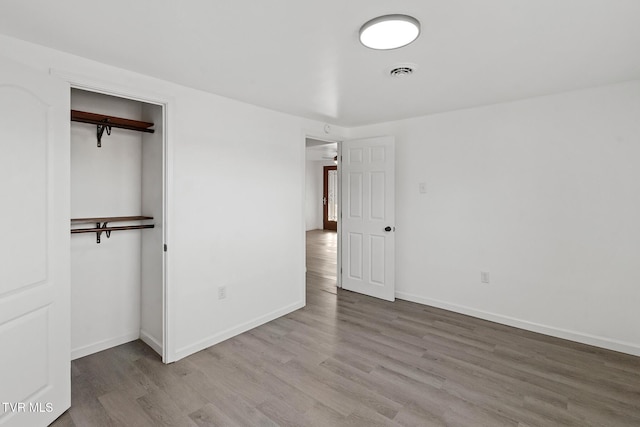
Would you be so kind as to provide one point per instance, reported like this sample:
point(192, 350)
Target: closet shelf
point(105, 123)
point(108, 219)
point(101, 225)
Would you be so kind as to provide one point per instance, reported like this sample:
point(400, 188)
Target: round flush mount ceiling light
point(389, 32)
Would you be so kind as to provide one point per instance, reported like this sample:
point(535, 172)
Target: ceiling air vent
point(402, 70)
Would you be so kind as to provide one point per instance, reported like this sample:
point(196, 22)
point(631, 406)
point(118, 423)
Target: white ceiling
point(303, 57)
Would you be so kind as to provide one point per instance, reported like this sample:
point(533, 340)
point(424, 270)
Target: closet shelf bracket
point(105, 123)
point(102, 227)
point(100, 130)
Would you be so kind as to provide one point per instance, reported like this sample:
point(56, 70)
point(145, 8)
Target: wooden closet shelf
point(99, 229)
point(116, 122)
point(105, 123)
point(109, 219)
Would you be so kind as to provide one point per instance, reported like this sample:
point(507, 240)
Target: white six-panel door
point(368, 217)
point(34, 247)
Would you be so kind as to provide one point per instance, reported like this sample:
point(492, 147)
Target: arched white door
point(34, 247)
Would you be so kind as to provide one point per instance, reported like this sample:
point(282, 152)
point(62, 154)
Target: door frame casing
point(166, 102)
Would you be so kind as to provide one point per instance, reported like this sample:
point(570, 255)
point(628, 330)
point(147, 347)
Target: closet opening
point(117, 223)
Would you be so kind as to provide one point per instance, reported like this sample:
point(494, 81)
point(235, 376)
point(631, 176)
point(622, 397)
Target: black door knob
point(387, 228)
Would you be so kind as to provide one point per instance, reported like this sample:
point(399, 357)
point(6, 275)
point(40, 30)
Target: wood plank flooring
point(349, 360)
point(322, 260)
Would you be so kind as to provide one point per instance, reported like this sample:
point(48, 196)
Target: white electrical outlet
point(422, 187)
point(484, 276)
point(222, 292)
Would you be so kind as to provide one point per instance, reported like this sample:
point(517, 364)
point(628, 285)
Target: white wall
point(106, 181)
point(544, 194)
point(314, 193)
point(236, 201)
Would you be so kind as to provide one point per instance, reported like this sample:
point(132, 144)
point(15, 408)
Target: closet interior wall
point(116, 285)
point(152, 251)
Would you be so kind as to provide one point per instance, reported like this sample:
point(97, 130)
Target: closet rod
point(118, 228)
point(108, 230)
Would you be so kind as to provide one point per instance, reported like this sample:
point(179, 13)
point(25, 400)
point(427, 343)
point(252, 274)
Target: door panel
point(33, 326)
point(34, 247)
point(376, 193)
point(377, 245)
point(368, 208)
point(354, 249)
point(355, 195)
point(26, 223)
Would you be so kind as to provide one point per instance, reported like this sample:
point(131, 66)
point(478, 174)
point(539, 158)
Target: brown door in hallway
point(330, 198)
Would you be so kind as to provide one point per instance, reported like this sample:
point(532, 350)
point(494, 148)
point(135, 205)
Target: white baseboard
point(86, 350)
point(610, 344)
point(151, 341)
point(232, 332)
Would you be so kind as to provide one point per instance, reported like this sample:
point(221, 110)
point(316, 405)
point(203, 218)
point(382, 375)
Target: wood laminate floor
point(347, 359)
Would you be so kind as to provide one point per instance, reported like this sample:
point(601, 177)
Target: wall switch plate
point(222, 292)
point(484, 276)
point(422, 187)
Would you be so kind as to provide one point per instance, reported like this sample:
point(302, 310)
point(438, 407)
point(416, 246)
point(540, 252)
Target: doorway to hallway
point(322, 194)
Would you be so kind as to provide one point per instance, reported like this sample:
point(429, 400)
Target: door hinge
point(165, 247)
